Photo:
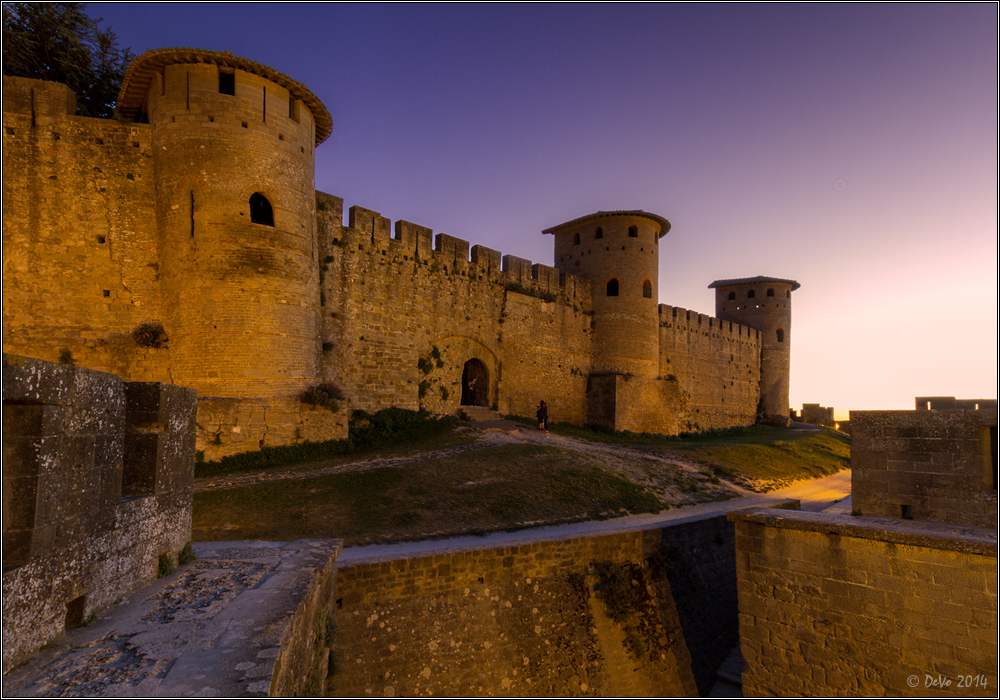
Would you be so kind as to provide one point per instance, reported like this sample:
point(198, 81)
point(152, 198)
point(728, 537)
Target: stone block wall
point(835, 605)
point(938, 465)
point(934, 403)
point(716, 365)
point(81, 263)
point(511, 621)
point(403, 317)
point(524, 620)
point(97, 484)
point(817, 415)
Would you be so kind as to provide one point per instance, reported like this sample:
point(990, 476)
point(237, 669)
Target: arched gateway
point(475, 384)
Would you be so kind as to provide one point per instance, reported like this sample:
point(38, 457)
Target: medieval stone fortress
point(187, 250)
point(199, 213)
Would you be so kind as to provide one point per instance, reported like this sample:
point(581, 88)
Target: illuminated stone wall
point(510, 621)
point(833, 605)
point(109, 224)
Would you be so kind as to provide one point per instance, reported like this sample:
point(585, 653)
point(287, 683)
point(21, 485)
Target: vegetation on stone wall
point(186, 555)
point(165, 566)
point(58, 42)
point(622, 589)
point(325, 395)
point(148, 335)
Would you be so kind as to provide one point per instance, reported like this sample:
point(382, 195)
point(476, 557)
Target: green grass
point(475, 491)
point(500, 488)
point(775, 455)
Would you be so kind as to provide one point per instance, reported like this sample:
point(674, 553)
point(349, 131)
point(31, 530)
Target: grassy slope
point(509, 486)
point(474, 491)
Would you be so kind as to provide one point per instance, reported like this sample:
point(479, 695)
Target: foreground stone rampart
point(245, 619)
point(97, 483)
point(834, 605)
point(525, 620)
point(937, 465)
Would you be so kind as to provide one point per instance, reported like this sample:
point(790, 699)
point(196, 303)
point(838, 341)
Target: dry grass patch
point(505, 487)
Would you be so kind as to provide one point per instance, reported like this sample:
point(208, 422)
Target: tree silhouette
point(60, 43)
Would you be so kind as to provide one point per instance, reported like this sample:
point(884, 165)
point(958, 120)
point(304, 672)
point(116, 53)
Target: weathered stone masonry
point(938, 465)
point(524, 620)
point(97, 483)
point(202, 215)
point(840, 605)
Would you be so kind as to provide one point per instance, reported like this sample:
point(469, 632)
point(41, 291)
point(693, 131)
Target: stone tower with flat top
point(764, 303)
point(618, 251)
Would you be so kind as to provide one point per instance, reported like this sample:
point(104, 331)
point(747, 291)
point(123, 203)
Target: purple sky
point(852, 148)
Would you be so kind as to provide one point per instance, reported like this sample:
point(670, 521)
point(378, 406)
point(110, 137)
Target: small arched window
point(770, 292)
point(788, 293)
point(260, 210)
point(633, 232)
point(576, 239)
point(599, 233)
point(613, 288)
point(750, 294)
point(647, 289)
point(732, 295)
point(781, 336)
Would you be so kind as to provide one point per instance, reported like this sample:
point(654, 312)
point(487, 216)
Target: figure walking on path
point(543, 416)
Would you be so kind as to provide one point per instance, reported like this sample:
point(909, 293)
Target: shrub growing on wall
point(148, 335)
point(326, 395)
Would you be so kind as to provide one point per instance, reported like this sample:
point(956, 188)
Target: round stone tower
point(765, 304)
point(232, 148)
point(618, 251)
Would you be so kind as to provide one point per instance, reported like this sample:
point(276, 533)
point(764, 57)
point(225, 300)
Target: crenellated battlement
point(207, 201)
point(685, 319)
point(366, 227)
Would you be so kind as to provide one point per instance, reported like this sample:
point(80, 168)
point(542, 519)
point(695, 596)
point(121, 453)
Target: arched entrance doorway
point(475, 384)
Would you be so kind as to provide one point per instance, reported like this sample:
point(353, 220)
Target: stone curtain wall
point(108, 225)
point(514, 621)
point(81, 260)
point(839, 605)
point(403, 317)
point(716, 365)
point(391, 298)
point(97, 484)
point(940, 464)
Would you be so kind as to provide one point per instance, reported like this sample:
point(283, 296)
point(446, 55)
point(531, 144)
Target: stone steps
point(479, 413)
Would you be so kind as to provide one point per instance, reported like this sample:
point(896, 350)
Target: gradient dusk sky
point(850, 147)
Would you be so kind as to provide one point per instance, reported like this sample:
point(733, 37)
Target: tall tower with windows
point(232, 149)
point(618, 251)
point(764, 303)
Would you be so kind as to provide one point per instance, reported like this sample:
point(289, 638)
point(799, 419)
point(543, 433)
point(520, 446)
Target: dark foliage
point(60, 43)
point(148, 335)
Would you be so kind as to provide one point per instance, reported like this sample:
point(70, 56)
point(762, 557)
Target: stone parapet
point(833, 605)
point(97, 484)
point(937, 465)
